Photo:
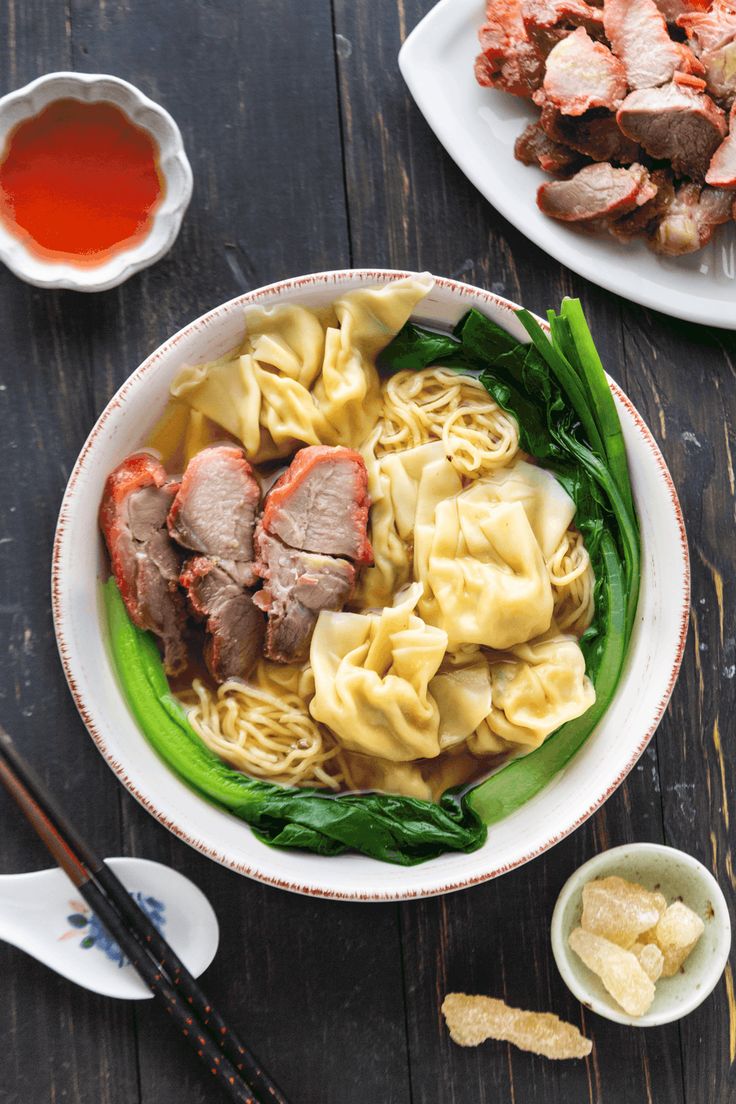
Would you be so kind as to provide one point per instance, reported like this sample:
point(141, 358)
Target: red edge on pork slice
point(321, 504)
point(596, 192)
point(582, 74)
point(508, 60)
point(144, 561)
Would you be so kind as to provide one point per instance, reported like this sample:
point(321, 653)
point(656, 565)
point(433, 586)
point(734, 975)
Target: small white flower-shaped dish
point(677, 876)
point(27, 102)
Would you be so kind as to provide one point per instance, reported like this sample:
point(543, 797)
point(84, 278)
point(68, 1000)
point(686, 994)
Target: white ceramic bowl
point(677, 875)
point(26, 102)
point(593, 775)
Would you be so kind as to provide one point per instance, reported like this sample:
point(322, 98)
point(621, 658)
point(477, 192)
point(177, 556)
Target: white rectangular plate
point(478, 128)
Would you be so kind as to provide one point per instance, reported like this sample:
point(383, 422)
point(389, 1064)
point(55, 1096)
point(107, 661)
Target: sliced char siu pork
point(297, 586)
point(672, 10)
point(321, 504)
point(595, 134)
point(508, 60)
point(145, 562)
point(312, 532)
point(676, 124)
point(710, 27)
point(712, 36)
point(691, 219)
point(548, 21)
point(722, 169)
point(643, 220)
point(214, 515)
point(235, 626)
point(535, 147)
point(638, 35)
point(214, 512)
point(596, 192)
point(581, 74)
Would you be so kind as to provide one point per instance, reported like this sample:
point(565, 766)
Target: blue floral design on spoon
point(95, 935)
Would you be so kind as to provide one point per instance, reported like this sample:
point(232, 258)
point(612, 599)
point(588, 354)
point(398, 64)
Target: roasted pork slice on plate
point(594, 134)
point(691, 219)
point(508, 60)
point(235, 626)
point(722, 169)
point(676, 124)
point(145, 562)
point(581, 74)
point(638, 36)
point(712, 36)
point(597, 192)
point(548, 21)
point(535, 147)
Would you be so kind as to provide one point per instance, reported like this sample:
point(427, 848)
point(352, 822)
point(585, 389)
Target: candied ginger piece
point(472, 1020)
point(619, 910)
point(619, 970)
point(650, 959)
point(677, 932)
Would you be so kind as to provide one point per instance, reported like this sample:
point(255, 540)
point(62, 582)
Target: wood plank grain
point(683, 378)
point(422, 213)
point(53, 1036)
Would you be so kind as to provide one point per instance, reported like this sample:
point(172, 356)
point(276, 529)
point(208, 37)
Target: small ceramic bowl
point(676, 875)
point(26, 102)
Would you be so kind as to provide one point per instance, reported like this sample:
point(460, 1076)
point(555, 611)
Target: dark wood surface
point(308, 154)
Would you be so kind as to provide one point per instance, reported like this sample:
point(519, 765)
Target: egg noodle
point(263, 728)
point(439, 404)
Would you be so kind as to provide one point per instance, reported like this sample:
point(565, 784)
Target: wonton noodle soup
point(458, 646)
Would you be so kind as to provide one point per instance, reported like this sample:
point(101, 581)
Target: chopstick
point(236, 1068)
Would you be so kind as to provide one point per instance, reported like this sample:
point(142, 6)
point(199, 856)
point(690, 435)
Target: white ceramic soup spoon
point(43, 914)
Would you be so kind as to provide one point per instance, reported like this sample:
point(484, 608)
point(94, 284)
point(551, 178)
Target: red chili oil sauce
point(79, 182)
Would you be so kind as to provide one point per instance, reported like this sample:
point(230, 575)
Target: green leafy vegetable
point(557, 390)
point(401, 830)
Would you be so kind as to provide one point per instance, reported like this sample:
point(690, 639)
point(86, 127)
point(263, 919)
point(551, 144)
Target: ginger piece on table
point(471, 1020)
point(619, 970)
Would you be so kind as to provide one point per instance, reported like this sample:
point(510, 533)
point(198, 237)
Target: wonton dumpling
point(390, 569)
point(301, 379)
point(348, 391)
point(371, 677)
point(548, 506)
point(463, 696)
point(393, 485)
point(227, 392)
point(538, 688)
point(290, 339)
point(485, 580)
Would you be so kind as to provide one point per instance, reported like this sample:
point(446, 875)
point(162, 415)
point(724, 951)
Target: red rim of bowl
point(337, 276)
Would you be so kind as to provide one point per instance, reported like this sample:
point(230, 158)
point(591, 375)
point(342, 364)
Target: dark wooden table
point(308, 154)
